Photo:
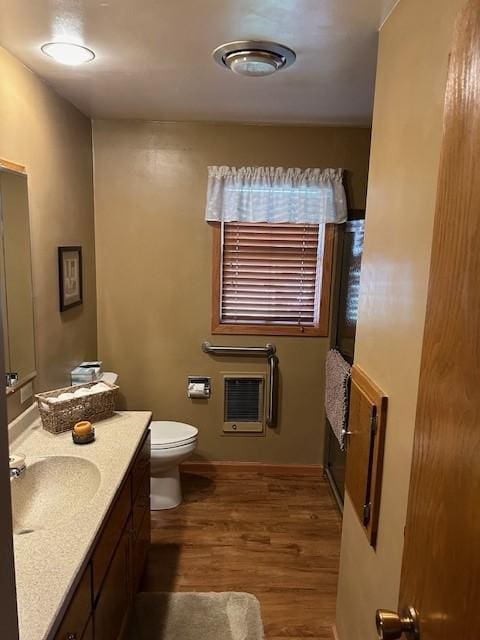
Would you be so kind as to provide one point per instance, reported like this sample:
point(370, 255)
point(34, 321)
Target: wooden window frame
point(321, 330)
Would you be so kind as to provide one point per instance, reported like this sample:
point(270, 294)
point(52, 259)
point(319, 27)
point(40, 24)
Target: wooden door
point(441, 563)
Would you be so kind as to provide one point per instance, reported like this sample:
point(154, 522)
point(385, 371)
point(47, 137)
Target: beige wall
point(53, 140)
point(153, 252)
point(406, 136)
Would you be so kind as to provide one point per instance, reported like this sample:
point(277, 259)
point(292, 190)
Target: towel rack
point(269, 352)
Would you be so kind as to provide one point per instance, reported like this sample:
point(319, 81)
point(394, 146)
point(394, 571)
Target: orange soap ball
point(83, 428)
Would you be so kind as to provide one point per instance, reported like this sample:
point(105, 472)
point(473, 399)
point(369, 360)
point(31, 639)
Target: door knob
point(391, 626)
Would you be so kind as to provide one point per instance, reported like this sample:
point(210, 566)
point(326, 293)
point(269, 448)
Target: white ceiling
point(154, 57)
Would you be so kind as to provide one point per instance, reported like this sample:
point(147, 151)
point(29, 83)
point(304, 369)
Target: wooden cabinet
point(88, 633)
point(140, 550)
point(366, 427)
point(116, 594)
point(140, 514)
point(141, 505)
point(79, 610)
point(141, 466)
point(110, 536)
point(101, 603)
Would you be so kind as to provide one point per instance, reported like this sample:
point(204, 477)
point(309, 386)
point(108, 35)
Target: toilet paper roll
point(197, 390)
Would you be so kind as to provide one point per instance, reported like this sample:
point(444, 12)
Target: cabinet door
point(115, 598)
point(141, 545)
point(141, 506)
point(362, 415)
point(110, 536)
point(78, 612)
point(88, 633)
point(141, 466)
point(367, 421)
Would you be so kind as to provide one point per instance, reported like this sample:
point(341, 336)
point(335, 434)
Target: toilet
point(171, 444)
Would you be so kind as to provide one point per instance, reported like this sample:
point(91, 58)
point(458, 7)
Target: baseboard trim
point(313, 470)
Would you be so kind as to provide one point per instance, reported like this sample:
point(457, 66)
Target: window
point(272, 279)
point(273, 247)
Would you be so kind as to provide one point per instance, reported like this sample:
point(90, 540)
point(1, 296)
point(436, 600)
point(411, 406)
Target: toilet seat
point(168, 435)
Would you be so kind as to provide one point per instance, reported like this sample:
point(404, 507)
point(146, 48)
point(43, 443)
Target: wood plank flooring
point(275, 536)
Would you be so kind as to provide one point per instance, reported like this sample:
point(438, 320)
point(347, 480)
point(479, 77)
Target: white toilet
point(172, 443)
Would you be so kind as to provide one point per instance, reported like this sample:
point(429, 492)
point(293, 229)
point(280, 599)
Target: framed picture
point(70, 275)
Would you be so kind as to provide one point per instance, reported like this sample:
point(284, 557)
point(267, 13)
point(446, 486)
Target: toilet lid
point(165, 434)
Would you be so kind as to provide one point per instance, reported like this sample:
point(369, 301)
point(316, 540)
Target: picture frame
point(70, 277)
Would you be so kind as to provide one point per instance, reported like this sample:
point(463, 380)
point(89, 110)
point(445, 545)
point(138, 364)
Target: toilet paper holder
point(199, 387)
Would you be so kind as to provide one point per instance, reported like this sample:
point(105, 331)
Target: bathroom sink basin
point(52, 490)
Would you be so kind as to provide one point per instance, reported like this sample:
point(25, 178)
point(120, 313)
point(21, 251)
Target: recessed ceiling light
point(254, 57)
point(68, 53)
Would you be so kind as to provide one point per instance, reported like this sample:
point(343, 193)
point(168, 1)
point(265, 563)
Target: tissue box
point(58, 417)
point(86, 372)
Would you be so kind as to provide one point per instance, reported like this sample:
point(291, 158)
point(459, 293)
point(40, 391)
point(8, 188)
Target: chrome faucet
point(17, 466)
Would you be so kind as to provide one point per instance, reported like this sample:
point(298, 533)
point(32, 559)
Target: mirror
point(16, 278)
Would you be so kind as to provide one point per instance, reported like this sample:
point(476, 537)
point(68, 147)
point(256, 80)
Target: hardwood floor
point(275, 536)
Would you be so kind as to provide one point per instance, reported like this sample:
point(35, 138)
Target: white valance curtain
point(275, 195)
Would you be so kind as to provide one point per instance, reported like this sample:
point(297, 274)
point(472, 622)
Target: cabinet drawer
point(110, 536)
point(78, 612)
point(141, 505)
point(141, 466)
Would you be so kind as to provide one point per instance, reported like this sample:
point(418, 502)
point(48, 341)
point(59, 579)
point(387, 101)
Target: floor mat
point(196, 616)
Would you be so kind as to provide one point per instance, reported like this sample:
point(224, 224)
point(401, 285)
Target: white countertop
point(47, 562)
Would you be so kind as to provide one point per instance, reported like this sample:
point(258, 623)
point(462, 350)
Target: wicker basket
point(58, 417)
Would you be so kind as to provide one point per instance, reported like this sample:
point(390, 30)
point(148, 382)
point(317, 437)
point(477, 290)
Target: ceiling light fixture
point(254, 57)
point(68, 53)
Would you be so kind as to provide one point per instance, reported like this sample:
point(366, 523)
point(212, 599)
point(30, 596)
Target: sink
point(52, 490)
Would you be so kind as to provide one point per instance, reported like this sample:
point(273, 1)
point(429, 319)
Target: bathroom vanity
point(80, 554)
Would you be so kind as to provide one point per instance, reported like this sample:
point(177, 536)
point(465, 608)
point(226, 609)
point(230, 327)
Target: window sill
point(269, 330)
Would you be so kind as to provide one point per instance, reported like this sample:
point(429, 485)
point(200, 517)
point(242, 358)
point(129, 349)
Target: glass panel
point(350, 286)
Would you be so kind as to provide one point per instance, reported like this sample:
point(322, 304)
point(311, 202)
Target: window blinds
point(271, 274)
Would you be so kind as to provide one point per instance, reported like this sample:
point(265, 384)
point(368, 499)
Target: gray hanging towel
point(338, 373)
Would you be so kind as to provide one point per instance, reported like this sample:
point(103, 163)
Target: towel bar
point(269, 352)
